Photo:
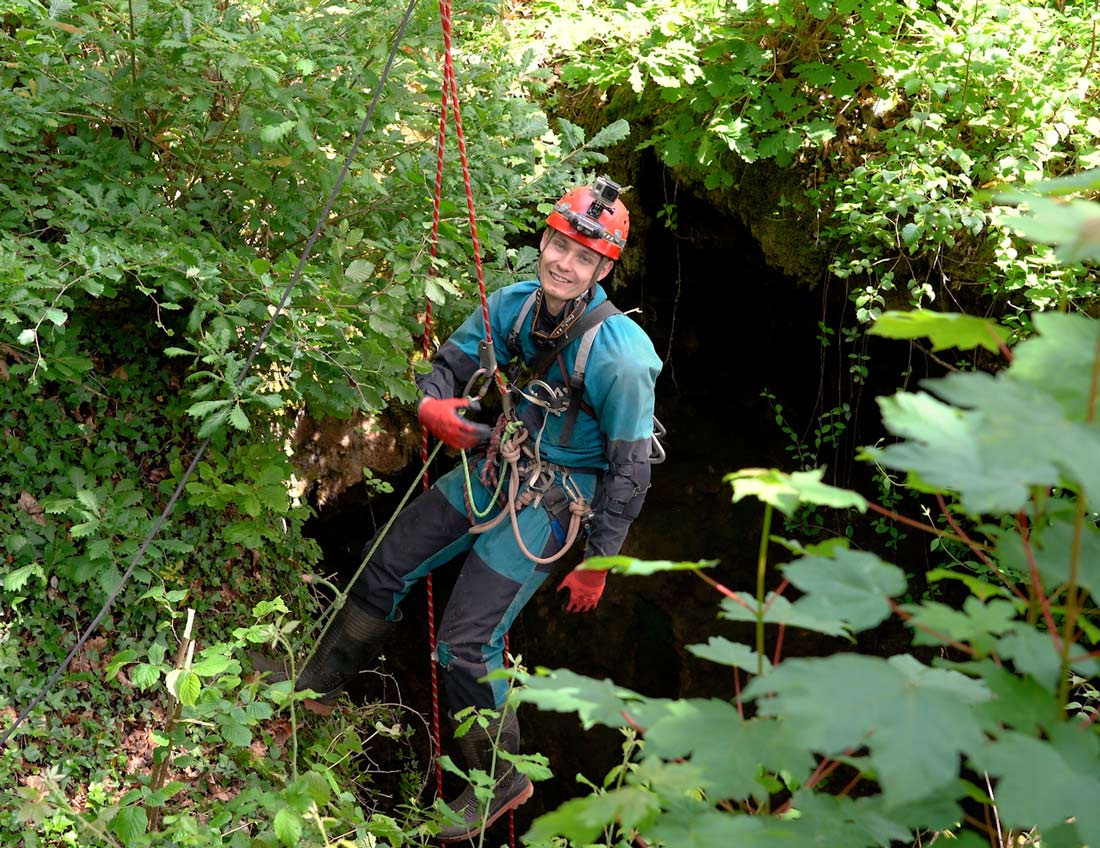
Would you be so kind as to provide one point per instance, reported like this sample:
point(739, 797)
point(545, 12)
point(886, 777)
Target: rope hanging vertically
point(424, 435)
point(450, 97)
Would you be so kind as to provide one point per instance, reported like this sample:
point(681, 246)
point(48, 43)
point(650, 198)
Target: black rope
point(363, 127)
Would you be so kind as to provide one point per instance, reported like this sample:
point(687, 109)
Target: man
point(588, 448)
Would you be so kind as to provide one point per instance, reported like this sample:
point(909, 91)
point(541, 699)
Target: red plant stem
point(978, 549)
point(729, 593)
point(1005, 352)
point(1036, 583)
point(851, 785)
point(779, 591)
point(779, 645)
point(630, 720)
point(935, 531)
point(959, 531)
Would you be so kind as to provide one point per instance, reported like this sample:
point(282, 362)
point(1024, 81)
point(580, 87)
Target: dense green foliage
point(893, 113)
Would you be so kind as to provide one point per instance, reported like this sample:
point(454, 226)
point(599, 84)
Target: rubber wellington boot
point(351, 643)
point(512, 786)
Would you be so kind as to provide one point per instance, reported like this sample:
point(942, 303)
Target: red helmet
point(593, 216)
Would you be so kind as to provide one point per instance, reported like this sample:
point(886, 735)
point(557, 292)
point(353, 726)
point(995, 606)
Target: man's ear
point(605, 268)
point(545, 239)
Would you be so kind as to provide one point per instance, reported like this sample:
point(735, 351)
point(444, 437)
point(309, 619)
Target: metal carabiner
point(657, 453)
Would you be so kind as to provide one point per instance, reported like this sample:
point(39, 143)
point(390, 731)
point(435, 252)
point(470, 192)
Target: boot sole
point(519, 800)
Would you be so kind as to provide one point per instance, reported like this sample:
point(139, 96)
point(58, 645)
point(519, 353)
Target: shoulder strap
point(576, 379)
point(513, 334)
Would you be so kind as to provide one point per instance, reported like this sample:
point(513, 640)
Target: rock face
point(330, 454)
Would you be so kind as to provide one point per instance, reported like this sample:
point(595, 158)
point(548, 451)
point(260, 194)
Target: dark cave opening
point(729, 328)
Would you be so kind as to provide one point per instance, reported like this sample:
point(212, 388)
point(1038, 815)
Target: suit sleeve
point(623, 396)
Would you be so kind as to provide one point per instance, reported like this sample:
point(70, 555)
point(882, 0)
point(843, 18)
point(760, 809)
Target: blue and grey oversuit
point(607, 460)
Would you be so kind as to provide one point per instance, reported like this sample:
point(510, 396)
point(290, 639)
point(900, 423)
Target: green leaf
point(15, 580)
point(275, 132)
point(1073, 225)
point(943, 329)
point(563, 691)
point(535, 766)
point(359, 271)
point(288, 827)
point(976, 624)
point(205, 407)
point(144, 675)
point(184, 686)
point(1001, 438)
point(851, 586)
point(210, 666)
point(715, 750)
point(129, 824)
point(611, 134)
point(1056, 549)
point(571, 134)
point(786, 492)
point(235, 733)
point(238, 419)
point(915, 720)
point(721, 650)
point(120, 659)
point(1059, 782)
point(1060, 359)
point(778, 610)
point(581, 819)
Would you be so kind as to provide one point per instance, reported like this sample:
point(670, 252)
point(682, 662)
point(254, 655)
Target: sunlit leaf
point(943, 329)
point(581, 819)
point(786, 492)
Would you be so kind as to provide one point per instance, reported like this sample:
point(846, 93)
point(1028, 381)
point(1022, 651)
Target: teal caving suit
point(606, 458)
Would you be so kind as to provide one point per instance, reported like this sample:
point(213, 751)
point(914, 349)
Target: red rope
point(436, 722)
point(450, 92)
point(451, 87)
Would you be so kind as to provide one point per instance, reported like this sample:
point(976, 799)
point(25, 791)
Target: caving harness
point(532, 480)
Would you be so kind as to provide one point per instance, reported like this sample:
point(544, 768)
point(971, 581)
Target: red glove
point(443, 421)
point(585, 588)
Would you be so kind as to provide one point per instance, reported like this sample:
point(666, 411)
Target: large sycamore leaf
point(828, 822)
point(853, 587)
point(1060, 359)
point(915, 720)
point(943, 329)
point(991, 441)
point(720, 751)
point(1071, 225)
point(1059, 783)
point(787, 492)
